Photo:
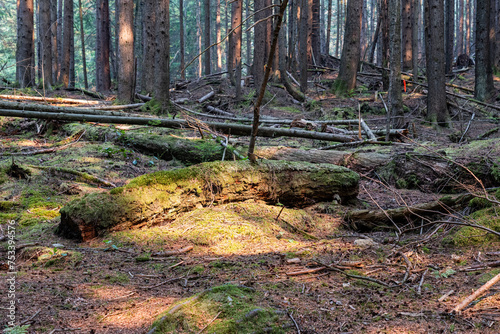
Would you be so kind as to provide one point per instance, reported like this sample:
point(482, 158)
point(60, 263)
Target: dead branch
point(476, 294)
point(83, 175)
point(206, 97)
point(305, 271)
point(47, 99)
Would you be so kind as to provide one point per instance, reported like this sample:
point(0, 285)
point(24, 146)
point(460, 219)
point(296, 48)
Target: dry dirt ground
point(113, 284)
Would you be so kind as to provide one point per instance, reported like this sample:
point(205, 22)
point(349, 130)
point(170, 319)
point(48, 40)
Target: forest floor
point(113, 284)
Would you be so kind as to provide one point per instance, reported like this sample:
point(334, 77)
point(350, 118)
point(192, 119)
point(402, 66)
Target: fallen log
point(376, 219)
point(234, 129)
point(157, 197)
point(47, 99)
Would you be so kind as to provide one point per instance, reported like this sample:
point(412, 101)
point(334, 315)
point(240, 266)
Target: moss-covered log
point(160, 196)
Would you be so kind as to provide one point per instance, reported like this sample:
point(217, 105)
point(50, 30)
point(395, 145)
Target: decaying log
point(47, 99)
point(219, 111)
point(206, 97)
point(476, 294)
point(376, 219)
point(160, 196)
point(234, 129)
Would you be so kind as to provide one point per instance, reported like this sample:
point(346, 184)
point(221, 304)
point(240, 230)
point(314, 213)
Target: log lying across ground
point(154, 198)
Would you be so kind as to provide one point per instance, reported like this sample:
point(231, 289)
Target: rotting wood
point(206, 97)
point(234, 129)
point(83, 175)
point(372, 219)
point(47, 99)
point(96, 95)
point(153, 198)
point(305, 271)
point(219, 111)
point(477, 293)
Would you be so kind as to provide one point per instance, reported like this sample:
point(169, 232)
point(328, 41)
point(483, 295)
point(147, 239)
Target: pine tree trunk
point(206, 55)
point(449, 34)
point(483, 89)
point(162, 56)
point(219, 38)
point(103, 71)
point(349, 61)
point(395, 96)
point(126, 61)
point(66, 45)
point(236, 14)
point(303, 34)
point(60, 26)
point(25, 49)
point(437, 111)
point(328, 27)
point(384, 34)
point(46, 41)
point(149, 40)
point(82, 36)
point(415, 27)
point(181, 39)
point(406, 33)
point(460, 28)
point(259, 56)
point(316, 29)
point(53, 28)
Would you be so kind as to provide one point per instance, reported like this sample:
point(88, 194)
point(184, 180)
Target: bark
point(496, 59)
point(163, 195)
point(415, 28)
point(384, 35)
point(47, 99)
point(126, 60)
point(60, 25)
point(328, 27)
point(483, 88)
point(45, 41)
point(67, 43)
point(162, 56)
point(316, 32)
point(395, 96)
point(218, 29)
point(460, 28)
point(149, 38)
point(390, 218)
point(82, 37)
point(437, 110)
point(53, 30)
point(259, 56)
point(103, 71)
point(25, 48)
point(233, 129)
point(303, 34)
point(237, 13)
point(449, 31)
point(349, 62)
point(206, 12)
point(375, 39)
point(468, 24)
point(406, 27)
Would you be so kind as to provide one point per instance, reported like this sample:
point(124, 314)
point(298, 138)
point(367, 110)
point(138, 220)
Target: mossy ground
point(233, 309)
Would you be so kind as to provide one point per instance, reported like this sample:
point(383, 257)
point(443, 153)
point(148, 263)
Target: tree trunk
point(199, 37)
point(406, 21)
point(316, 32)
point(45, 41)
point(460, 28)
point(303, 50)
point(384, 34)
point(259, 56)
point(468, 24)
point(168, 193)
point(82, 36)
point(395, 95)
point(449, 34)
point(162, 56)
point(437, 110)
point(375, 39)
point(72, 72)
point(328, 27)
point(53, 27)
point(67, 42)
point(206, 55)
point(237, 13)
point(483, 88)
point(60, 27)
point(181, 39)
point(496, 60)
point(149, 38)
point(414, 47)
point(25, 48)
point(349, 61)
point(219, 38)
point(126, 61)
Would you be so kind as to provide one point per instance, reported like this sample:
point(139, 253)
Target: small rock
point(365, 243)
point(294, 260)
point(58, 245)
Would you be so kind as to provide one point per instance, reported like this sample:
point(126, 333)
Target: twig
point(476, 294)
point(83, 175)
point(161, 283)
point(294, 322)
point(305, 271)
point(446, 295)
point(209, 323)
point(64, 330)
point(30, 318)
point(419, 290)
point(374, 280)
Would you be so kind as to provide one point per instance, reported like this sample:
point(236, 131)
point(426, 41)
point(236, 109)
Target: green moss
point(233, 308)
point(117, 278)
point(143, 257)
point(117, 190)
point(484, 278)
point(8, 205)
point(50, 257)
point(468, 236)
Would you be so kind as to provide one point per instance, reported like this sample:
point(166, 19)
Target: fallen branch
point(305, 271)
point(476, 294)
point(83, 175)
point(176, 252)
point(47, 99)
point(206, 97)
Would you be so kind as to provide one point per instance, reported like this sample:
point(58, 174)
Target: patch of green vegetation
point(50, 257)
point(5, 217)
point(233, 309)
point(117, 278)
point(143, 257)
point(484, 278)
point(8, 205)
point(290, 109)
point(470, 236)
